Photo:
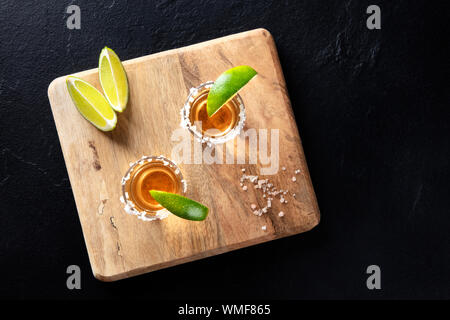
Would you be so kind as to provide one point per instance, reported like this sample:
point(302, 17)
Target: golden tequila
point(150, 173)
point(219, 124)
point(222, 126)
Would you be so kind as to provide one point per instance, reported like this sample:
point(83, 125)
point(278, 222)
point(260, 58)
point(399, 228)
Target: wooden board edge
point(52, 87)
point(202, 255)
point(254, 32)
point(282, 83)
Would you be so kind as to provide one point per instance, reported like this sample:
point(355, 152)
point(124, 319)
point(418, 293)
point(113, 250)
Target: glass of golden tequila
point(150, 173)
point(222, 126)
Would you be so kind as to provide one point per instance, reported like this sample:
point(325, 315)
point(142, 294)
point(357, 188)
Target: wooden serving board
point(119, 245)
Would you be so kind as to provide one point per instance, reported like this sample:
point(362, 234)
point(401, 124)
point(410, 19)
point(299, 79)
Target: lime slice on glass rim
point(180, 206)
point(91, 103)
point(227, 86)
point(113, 79)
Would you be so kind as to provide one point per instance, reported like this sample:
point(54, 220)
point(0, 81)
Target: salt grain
point(257, 213)
point(253, 179)
point(281, 214)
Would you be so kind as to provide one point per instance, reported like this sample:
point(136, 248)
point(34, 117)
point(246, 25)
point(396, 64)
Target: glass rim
point(186, 122)
point(133, 209)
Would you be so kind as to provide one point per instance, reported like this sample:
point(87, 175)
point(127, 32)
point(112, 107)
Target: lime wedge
point(227, 85)
point(91, 104)
point(113, 79)
point(180, 206)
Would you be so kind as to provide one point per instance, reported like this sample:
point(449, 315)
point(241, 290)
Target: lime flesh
point(113, 79)
point(227, 86)
point(181, 206)
point(91, 104)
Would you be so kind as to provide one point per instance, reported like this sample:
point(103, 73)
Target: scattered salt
point(268, 189)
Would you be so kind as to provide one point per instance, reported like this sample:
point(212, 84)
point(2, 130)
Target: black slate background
point(372, 109)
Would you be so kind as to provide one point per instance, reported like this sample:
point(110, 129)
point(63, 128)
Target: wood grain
point(119, 245)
